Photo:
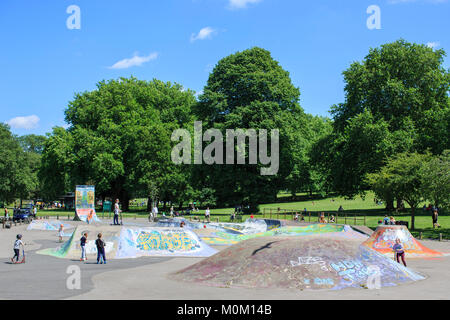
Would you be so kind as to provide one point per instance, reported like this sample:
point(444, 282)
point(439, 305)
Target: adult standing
point(116, 212)
point(435, 217)
point(35, 212)
point(208, 214)
point(6, 213)
point(155, 212)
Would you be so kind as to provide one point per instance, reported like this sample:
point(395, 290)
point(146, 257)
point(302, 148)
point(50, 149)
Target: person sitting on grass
point(392, 221)
point(296, 216)
point(332, 219)
point(386, 220)
point(399, 251)
point(322, 218)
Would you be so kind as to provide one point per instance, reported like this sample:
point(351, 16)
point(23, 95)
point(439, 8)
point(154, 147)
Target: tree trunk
point(413, 210)
point(149, 204)
point(389, 204)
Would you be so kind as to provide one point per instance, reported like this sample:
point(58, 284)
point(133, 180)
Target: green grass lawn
point(358, 207)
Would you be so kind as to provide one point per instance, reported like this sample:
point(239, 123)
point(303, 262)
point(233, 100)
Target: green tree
point(401, 89)
point(249, 90)
point(11, 161)
point(33, 143)
point(119, 137)
point(436, 180)
point(402, 177)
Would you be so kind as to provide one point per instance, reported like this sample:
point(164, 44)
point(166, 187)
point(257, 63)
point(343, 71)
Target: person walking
point(116, 213)
point(83, 241)
point(17, 245)
point(208, 214)
point(6, 214)
point(101, 257)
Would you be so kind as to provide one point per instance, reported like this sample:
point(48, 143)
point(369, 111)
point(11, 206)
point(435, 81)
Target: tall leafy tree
point(402, 176)
point(401, 89)
point(119, 137)
point(250, 90)
point(436, 180)
point(11, 161)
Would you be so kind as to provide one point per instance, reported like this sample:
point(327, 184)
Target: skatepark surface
point(45, 277)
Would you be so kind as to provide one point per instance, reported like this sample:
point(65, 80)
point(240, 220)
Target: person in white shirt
point(17, 245)
point(155, 212)
point(116, 212)
point(208, 215)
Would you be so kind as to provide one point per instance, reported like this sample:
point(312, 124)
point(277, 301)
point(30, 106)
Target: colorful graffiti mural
point(137, 242)
point(384, 237)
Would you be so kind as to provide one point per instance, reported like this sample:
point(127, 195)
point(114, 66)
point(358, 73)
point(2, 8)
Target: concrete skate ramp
point(224, 238)
point(250, 226)
point(307, 262)
point(134, 242)
point(384, 237)
point(47, 225)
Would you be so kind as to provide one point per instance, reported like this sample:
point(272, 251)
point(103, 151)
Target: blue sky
point(44, 63)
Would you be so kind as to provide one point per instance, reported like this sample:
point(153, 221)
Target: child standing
point(17, 245)
point(83, 246)
point(61, 232)
point(101, 258)
point(399, 251)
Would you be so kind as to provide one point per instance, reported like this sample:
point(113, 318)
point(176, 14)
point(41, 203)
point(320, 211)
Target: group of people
point(99, 243)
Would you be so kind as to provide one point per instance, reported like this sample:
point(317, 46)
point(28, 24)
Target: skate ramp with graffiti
point(250, 226)
point(384, 237)
point(343, 231)
point(48, 225)
point(308, 262)
point(179, 242)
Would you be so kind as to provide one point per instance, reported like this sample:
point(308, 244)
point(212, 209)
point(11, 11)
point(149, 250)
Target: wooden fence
point(289, 214)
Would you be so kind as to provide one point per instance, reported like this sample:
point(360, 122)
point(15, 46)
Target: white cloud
point(433, 45)
point(240, 4)
point(135, 61)
point(205, 33)
point(29, 122)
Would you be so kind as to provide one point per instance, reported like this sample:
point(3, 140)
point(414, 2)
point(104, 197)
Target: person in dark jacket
point(83, 241)
point(101, 257)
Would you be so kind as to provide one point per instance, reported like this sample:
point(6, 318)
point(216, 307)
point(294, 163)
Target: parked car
point(23, 214)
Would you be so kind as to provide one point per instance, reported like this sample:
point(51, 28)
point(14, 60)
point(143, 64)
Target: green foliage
point(118, 139)
point(435, 176)
point(246, 90)
point(401, 177)
point(396, 101)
